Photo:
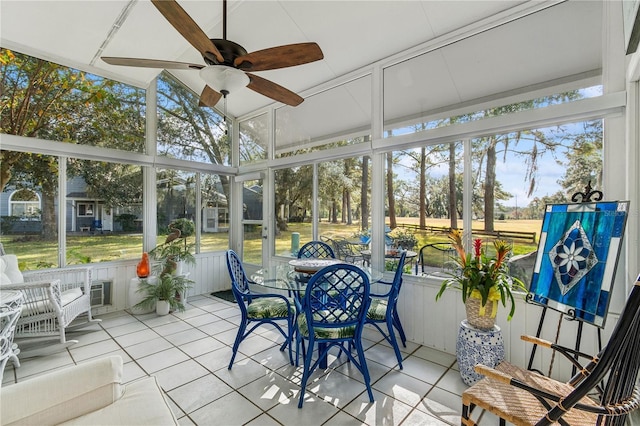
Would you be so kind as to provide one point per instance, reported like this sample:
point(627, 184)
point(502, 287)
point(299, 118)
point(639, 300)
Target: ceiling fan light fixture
point(224, 78)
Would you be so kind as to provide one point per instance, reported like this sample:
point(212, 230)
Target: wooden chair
point(525, 397)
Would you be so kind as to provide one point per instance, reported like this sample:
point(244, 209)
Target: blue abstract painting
point(577, 258)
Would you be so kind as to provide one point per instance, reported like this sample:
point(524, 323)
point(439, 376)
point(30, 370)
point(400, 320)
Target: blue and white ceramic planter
point(477, 347)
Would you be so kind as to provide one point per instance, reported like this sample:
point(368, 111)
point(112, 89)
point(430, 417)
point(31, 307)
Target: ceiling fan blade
point(209, 97)
point(186, 26)
point(280, 57)
point(151, 63)
point(273, 90)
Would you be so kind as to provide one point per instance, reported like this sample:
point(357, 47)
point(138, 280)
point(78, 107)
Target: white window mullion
point(62, 210)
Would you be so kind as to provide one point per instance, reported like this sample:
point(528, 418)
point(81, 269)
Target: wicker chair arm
point(493, 374)
point(536, 341)
point(39, 296)
point(570, 354)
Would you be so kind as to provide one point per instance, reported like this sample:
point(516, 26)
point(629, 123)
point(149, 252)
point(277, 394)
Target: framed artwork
point(577, 258)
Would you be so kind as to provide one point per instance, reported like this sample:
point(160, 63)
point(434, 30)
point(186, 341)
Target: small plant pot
point(162, 307)
point(482, 319)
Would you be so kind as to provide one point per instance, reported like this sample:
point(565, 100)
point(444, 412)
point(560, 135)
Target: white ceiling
point(554, 43)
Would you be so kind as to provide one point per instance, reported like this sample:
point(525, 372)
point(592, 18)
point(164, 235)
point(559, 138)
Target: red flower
point(477, 247)
point(482, 276)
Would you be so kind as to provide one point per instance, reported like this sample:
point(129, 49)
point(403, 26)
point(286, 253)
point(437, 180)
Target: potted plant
point(176, 249)
point(483, 280)
point(164, 294)
point(403, 239)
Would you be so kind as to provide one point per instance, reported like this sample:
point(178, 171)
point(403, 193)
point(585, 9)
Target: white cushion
point(70, 295)
point(12, 274)
point(42, 306)
point(62, 395)
point(4, 279)
point(143, 403)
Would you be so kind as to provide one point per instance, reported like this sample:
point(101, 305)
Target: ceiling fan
point(227, 62)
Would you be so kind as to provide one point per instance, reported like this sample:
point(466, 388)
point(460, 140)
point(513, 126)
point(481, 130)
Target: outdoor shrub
point(126, 221)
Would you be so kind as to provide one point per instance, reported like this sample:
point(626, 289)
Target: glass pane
point(294, 209)
point(344, 196)
point(423, 199)
point(69, 105)
point(215, 212)
point(252, 221)
point(517, 174)
point(31, 194)
point(104, 211)
point(344, 110)
point(176, 202)
point(419, 91)
point(254, 138)
point(187, 131)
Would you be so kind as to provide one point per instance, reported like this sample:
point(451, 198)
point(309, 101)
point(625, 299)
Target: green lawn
point(283, 241)
point(84, 248)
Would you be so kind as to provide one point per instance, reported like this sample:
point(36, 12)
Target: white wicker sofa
point(91, 393)
point(53, 298)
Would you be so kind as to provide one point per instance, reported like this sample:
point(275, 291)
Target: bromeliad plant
point(480, 276)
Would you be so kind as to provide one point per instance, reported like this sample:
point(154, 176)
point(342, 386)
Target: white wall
point(435, 324)
point(426, 322)
point(210, 274)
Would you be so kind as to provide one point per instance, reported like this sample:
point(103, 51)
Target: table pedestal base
point(477, 347)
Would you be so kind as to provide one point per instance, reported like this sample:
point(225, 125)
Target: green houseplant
point(176, 248)
point(402, 238)
point(483, 280)
point(168, 290)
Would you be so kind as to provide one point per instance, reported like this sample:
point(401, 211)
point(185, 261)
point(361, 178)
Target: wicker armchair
point(53, 298)
point(604, 391)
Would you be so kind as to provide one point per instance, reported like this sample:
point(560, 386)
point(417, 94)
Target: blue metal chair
point(384, 310)
point(258, 308)
point(316, 250)
point(335, 306)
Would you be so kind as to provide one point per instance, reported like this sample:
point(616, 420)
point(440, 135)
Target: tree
point(186, 130)
point(584, 160)
point(390, 198)
point(364, 195)
point(44, 100)
point(294, 187)
point(453, 199)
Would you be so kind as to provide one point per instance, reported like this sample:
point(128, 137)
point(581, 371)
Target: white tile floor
point(188, 352)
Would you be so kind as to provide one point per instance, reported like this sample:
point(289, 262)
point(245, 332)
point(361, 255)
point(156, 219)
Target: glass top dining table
point(293, 275)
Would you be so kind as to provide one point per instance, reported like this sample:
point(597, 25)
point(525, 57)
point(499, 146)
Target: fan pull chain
point(224, 113)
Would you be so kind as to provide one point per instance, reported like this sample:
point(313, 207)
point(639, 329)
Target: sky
point(511, 174)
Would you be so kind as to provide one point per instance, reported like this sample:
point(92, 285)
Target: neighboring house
point(20, 210)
